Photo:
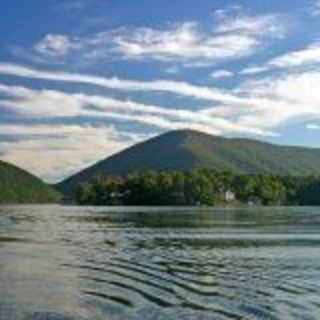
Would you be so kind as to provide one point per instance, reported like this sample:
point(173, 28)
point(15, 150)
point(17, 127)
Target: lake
point(67, 263)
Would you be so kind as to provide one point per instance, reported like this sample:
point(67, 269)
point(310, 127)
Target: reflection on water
point(63, 263)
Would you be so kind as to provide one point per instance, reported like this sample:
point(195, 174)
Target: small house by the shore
point(227, 196)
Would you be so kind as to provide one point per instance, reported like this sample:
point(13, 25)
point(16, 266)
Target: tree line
point(198, 187)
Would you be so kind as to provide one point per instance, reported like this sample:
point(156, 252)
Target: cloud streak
point(300, 58)
point(232, 36)
point(176, 87)
point(217, 74)
point(43, 104)
point(306, 56)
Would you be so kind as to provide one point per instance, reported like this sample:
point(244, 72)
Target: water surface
point(67, 263)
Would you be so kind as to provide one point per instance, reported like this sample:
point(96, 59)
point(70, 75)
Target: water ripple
point(63, 263)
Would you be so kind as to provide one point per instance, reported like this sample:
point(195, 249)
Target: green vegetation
point(198, 187)
point(19, 186)
point(187, 150)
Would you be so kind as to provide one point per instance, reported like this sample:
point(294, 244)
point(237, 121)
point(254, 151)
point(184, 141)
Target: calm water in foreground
point(63, 263)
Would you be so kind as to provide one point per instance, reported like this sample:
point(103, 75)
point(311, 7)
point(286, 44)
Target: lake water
point(63, 263)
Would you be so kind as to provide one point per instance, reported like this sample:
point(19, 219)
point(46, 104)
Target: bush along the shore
point(198, 187)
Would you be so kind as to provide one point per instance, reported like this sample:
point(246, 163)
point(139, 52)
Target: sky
point(83, 79)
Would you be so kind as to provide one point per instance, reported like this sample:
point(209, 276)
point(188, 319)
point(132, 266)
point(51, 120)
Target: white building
point(228, 196)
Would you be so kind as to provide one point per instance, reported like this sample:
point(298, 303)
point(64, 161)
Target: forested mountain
point(19, 186)
point(183, 150)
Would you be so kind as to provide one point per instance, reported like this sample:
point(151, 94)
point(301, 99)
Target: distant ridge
point(188, 149)
point(19, 186)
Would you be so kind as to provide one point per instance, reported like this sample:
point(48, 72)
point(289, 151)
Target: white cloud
point(172, 70)
point(258, 26)
point(41, 103)
point(38, 130)
point(232, 36)
point(253, 70)
point(309, 55)
point(302, 58)
point(313, 126)
point(267, 98)
point(176, 87)
point(50, 103)
point(281, 100)
point(217, 74)
point(258, 108)
point(179, 42)
point(55, 45)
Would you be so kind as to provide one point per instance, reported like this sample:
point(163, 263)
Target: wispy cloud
point(314, 9)
point(43, 104)
point(176, 87)
point(313, 126)
point(232, 36)
point(217, 74)
point(308, 55)
point(55, 45)
point(254, 70)
point(258, 107)
point(265, 26)
point(254, 94)
point(300, 58)
point(178, 43)
point(284, 99)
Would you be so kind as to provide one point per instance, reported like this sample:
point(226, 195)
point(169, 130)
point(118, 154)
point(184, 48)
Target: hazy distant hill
point(19, 186)
point(186, 149)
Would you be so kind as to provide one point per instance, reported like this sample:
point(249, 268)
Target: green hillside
point(186, 149)
point(19, 186)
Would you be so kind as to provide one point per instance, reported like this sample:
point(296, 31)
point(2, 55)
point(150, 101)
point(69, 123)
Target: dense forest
point(198, 187)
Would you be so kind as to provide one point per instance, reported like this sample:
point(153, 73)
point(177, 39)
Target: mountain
point(187, 149)
point(19, 186)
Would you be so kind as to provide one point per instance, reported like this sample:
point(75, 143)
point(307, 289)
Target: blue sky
point(83, 79)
